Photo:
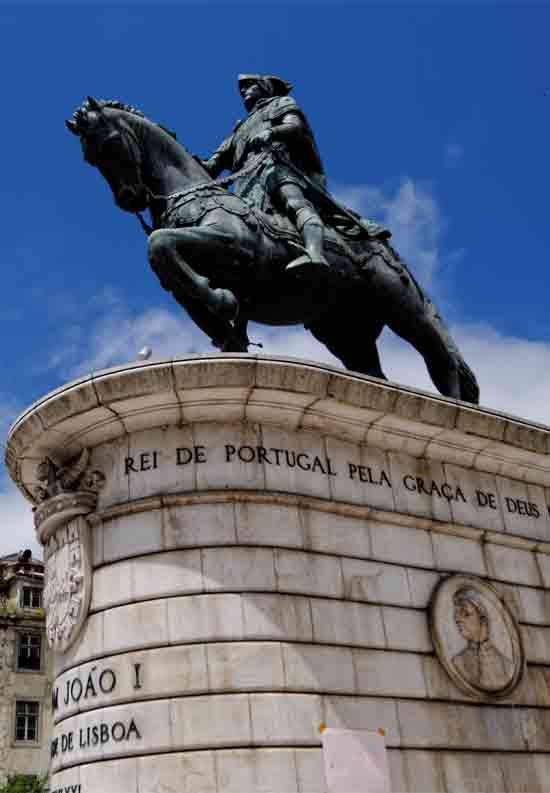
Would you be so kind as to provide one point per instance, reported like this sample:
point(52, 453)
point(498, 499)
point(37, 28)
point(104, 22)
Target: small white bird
point(144, 354)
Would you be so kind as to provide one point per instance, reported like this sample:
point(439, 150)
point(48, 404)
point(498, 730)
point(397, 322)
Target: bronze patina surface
point(279, 249)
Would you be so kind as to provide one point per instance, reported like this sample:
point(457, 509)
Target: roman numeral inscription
point(68, 789)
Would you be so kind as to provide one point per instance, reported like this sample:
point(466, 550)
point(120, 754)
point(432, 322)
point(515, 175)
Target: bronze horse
point(224, 261)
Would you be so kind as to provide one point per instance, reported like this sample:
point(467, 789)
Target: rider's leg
point(307, 221)
point(313, 234)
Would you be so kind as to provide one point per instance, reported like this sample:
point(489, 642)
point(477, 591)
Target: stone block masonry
point(240, 549)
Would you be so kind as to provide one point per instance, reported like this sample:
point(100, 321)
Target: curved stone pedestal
point(254, 551)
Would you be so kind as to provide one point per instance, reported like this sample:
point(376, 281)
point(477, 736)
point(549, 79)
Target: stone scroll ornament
point(476, 637)
point(66, 494)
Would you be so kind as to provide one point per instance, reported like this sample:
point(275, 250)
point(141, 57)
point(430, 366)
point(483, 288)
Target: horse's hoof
point(227, 305)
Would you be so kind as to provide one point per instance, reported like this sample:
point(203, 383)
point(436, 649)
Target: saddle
point(341, 234)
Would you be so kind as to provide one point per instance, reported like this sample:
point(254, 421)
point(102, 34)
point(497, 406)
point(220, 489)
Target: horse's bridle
point(128, 135)
point(223, 183)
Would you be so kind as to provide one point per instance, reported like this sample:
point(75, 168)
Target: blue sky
point(431, 117)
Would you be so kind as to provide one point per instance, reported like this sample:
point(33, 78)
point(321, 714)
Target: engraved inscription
point(103, 682)
point(95, 735)
point(91, 685)
point(68, 789)
point(363, 474)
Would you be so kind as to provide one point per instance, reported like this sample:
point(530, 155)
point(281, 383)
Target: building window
point(31, 597)
point(26, 721)
point(29, 651)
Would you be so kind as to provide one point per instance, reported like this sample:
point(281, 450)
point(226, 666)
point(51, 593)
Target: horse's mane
point(116, 104)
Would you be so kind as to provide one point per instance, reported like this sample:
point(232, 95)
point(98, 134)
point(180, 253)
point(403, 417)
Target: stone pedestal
point(241, 549)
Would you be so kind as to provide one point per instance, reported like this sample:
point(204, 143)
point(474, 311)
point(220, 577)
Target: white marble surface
point(301, 771)
point(164, 406)
point(265, 550)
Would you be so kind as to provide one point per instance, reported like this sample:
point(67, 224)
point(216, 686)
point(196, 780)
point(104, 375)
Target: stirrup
point(305, 261)
point(298, 263)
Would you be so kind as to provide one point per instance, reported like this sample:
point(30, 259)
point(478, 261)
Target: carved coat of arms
point(68, 584)
point(67, 493)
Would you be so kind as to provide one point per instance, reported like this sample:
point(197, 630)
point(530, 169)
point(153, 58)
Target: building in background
point(25, 671)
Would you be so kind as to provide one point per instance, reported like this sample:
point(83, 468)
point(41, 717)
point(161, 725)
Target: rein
point(179, 194)
point(221, 183)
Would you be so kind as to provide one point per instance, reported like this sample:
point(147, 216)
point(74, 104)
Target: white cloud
point(294, 341)
point(16, 521)
point(521, 390)
point(513, 373)
point(412, 215)
point(118, 337)
point(109, 333)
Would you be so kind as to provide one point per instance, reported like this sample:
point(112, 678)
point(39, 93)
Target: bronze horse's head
point(110, 142)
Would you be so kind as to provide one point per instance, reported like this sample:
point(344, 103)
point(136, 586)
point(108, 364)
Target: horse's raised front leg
point(167, 248)
point(224, 335)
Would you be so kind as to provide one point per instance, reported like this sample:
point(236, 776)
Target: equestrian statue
point(277, 248)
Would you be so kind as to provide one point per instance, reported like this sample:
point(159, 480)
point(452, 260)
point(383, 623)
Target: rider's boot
point(313, 234)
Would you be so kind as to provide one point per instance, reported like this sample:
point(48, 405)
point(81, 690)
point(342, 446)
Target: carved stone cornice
point(281, 392)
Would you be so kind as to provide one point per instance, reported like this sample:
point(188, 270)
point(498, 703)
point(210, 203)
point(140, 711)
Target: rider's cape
point(258, 175)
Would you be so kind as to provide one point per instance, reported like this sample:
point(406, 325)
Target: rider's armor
point(236, 153)
point(293, 160)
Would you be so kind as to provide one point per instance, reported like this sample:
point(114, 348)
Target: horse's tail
point(469, 388)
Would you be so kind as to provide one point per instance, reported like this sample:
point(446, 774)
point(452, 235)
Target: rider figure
point(276, 152)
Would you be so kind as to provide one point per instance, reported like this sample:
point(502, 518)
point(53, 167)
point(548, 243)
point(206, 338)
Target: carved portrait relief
point(476, 637)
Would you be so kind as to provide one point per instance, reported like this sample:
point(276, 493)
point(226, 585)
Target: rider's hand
point(261, 140)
